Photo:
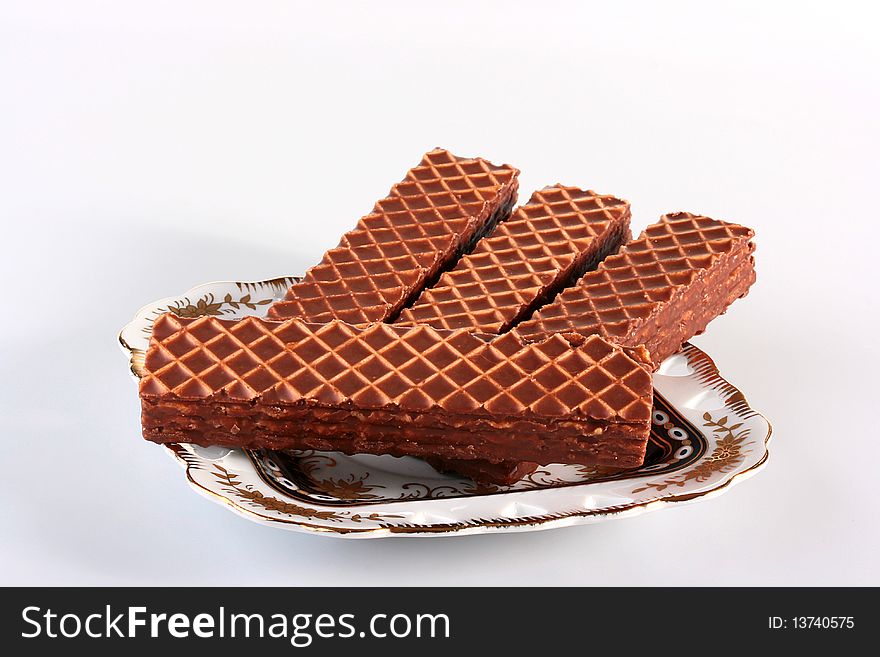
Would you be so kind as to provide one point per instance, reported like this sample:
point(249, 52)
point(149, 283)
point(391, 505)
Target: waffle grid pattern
point(426, 220)
point(528, 257)
point(415, 369)
point(630, 286)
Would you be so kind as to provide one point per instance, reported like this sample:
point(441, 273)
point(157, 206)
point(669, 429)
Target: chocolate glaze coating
point(406, 391)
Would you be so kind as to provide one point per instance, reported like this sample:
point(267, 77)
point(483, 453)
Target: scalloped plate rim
point(577, 517)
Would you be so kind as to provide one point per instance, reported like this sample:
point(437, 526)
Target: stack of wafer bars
point(448, 327)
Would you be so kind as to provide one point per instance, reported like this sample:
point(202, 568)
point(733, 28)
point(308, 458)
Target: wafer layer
point(424, 224)
point(410, 391)
point(659, 290)
point(546, 244)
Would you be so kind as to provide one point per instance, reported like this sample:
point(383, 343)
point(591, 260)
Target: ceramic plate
point(704, 438)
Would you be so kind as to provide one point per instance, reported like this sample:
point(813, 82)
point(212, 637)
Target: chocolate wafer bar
point(659, 290)
point(439, 211)
point(546, 244)
point(406, 391)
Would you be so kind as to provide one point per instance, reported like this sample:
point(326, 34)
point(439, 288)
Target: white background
point(149, 147)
